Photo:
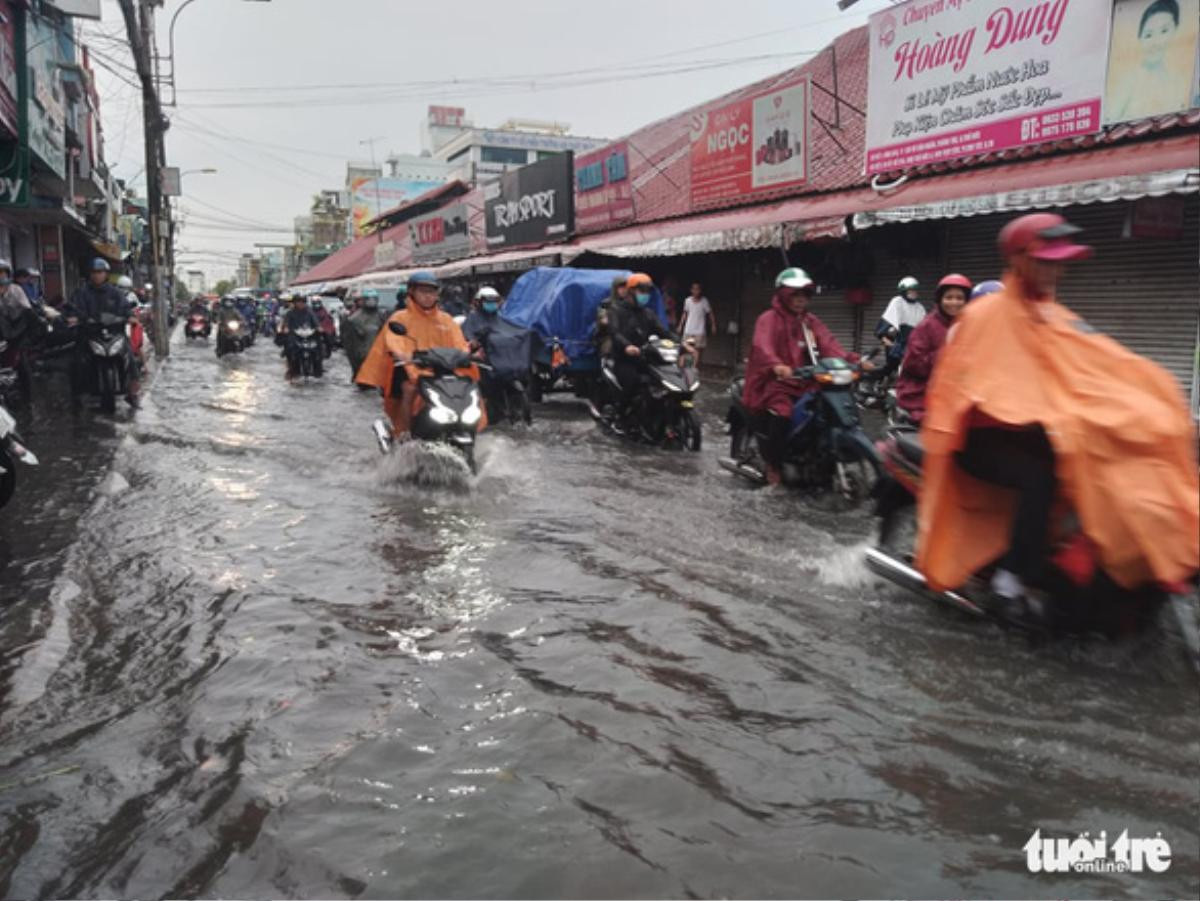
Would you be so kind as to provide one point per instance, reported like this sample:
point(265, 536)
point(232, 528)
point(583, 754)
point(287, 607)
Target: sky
point(277, 95)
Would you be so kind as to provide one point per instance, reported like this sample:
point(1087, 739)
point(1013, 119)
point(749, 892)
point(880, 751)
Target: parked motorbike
point(109, 352)
point(197, 327)
point(876, 390)
point(1073, 596)
point(662, 411)
point(232, 337)
point(826, 448)
point(306, 350)
point(451, 407)
point(11, 449)
point(19, 339)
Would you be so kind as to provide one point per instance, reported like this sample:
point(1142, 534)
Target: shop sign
point(603, 189)
point(9, 85)
point(1153, 60)
point(47, 121)
point(956, 78)
point(532, 205)
point(440, 235)
point(385, 254)
point(372, 197)
point(447, 116)
point(755, 144)
point(1157, 217)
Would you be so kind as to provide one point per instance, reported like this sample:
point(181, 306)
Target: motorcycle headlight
point(234, 326)
point(441, 414)
point(671, 386)
point(473, 413)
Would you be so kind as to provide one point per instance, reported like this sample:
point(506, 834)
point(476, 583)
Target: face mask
point(5, 281)
point(490, 306)
point(643, 299)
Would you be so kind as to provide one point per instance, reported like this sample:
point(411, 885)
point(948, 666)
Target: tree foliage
point(223, 287)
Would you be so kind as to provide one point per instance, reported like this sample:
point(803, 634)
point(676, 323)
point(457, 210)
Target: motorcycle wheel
point(108, 390)
point(8, 478)
point(741, 443)
point(535, 387)
point(689, 430)
point(860, 476)
point(469, 457)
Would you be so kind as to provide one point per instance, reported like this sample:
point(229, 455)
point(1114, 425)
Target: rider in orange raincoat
point(1028, 405)
point(427, 327)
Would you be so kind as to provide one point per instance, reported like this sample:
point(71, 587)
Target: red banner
point(756, 144)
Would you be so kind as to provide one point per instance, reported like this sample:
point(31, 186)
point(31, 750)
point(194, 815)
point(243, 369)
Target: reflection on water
point(262, 660)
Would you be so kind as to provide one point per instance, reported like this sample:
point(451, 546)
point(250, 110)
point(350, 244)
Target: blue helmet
point(100, 265)
point(423, 278)
point(983, 289)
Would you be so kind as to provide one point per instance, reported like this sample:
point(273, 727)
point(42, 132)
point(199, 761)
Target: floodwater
point(244, 658)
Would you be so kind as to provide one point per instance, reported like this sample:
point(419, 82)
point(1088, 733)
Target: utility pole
point(140, 30)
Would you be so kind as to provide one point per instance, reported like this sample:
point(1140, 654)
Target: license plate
point(687, 404)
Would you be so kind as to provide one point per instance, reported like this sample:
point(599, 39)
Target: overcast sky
point(257, 99)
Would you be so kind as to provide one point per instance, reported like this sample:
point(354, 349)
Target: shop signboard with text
point(9, 85)
point(441, 235)
point(531, 205)
point(603, 188)
point(755, 144)
point(956, 78)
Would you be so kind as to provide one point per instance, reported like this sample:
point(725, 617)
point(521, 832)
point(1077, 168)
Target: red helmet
point(1044, 236)
point(953, 280)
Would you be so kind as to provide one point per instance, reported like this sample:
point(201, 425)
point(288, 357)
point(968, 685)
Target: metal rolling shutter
point(1145, 293)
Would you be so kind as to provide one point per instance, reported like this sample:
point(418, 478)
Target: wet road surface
point(243, 659)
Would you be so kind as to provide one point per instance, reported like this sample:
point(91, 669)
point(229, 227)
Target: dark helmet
point(423, 278)
point(228, 300)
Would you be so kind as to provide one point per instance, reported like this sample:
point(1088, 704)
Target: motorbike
point(662, 411)
point(451, 407)
point(109, 352)
point(877, 390)
point(506, 396)
point(232, 337)
point(197, 326)
point(826, 448)
point(11, 449)
point(1073, 596)
point(307, 352)
point(19, 340)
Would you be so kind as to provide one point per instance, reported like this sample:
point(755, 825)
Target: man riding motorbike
point(96, 296)
point(426, 327)
point(926, 342)
point(780, 347)
point(360, 328)
point(297, 316)
point(483, 316)
point(631, 324)
point(1028, 404)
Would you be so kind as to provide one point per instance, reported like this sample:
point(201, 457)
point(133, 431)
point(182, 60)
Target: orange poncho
point(425, 330)
point(1123, 442)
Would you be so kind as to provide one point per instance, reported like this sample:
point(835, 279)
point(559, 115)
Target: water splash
point(426, 465)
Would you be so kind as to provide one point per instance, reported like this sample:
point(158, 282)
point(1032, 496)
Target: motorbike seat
point(909, 444)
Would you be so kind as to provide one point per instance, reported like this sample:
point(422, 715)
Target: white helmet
point(793, 277)
point(908, 283)
point(487, 292)
point(125, 282)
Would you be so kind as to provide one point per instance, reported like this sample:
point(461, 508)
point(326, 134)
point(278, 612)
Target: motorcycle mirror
point(397, 328)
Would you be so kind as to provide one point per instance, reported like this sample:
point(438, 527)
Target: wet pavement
point(243, 659)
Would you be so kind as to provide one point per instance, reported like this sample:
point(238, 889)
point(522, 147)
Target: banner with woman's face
point(1153, 59)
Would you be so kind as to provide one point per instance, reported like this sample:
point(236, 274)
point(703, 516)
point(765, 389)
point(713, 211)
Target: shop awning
point(1112, 172)
point(511, 261)
point(108, 251)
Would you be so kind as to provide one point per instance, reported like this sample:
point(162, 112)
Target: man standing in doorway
point(697, 320)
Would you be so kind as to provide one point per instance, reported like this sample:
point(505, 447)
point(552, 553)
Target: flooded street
point(243, 659)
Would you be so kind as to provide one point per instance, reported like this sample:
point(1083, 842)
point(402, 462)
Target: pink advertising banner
point(755, 144)
point(955, 78)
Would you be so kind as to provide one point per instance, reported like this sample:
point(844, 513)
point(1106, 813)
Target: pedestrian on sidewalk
point(697, 320)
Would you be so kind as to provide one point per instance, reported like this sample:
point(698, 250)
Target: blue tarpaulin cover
point(561, 304)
